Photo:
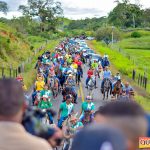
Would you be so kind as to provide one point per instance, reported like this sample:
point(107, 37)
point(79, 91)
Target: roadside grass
point(143, 33)
point(15, 48)
point(135, 43)
point(138, 49)
point(30, 73)
point(123, 65)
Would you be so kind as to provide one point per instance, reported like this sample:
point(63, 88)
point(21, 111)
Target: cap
point(68, 97)
point(89, 98)
point(99, 137)
point(73, 118)
point(70, 75)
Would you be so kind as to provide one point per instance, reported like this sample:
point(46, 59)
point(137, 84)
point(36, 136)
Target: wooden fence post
point(16, 72)
point(10, 71)
point(145, 83)
point(2, 70)
point(141, 80)
point(133, 74)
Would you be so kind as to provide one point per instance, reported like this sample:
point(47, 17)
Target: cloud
point(75, 9)
point(14, 4)
point(78, 11)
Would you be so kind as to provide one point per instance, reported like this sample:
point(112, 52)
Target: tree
point(47, 11)
point(105, 34)
point(146, 17)
point(3, 7)
point(126, 15)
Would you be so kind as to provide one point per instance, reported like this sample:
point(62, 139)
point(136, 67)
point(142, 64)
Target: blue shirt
point(107, 74)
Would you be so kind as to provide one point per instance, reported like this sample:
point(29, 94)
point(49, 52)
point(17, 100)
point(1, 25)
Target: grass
point(123, 65)
point(135, 43)
point(30, 73)
point(138, 50)
point(16, 48)
point(141, 31)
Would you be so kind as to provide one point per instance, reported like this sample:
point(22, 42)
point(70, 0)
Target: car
point(90, 38)
point(96, 57)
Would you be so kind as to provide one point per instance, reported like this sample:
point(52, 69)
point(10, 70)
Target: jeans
point(50, 117)
point(33, 96)
point(60, 121)
point(87, 80)
point(102, 84)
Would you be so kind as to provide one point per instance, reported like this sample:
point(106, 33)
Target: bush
point(136, 35)
point(105, 34)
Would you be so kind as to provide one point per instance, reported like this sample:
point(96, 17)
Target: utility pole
point(133, 20)
point(112, 35)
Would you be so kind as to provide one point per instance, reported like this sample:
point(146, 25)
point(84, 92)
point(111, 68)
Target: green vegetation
point(29, 69)
point(123, 64)
point(138, 51)
point(105, 34)
point(12, 45)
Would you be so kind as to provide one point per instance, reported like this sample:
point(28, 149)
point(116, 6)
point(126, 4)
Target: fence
point(140, 78)
point(10, 72)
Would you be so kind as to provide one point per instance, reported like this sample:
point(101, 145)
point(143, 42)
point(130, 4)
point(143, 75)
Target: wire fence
point(13, 72)
point(140, 77)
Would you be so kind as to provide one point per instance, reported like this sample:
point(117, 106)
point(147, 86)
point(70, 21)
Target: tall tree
point(3, 7)
point(126, 15)
point(48, 11)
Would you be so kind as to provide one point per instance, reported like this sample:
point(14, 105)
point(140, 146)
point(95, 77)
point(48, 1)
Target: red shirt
point(79, 63)
point(90, 73)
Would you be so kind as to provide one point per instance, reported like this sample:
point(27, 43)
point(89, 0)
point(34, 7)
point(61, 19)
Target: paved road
point(82, 93)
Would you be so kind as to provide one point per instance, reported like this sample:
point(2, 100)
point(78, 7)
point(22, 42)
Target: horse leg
point(103, 95)
point(107, 93)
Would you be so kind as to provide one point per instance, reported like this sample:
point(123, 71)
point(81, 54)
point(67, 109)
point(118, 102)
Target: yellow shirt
point(74, 66)
point(24, 87)
point(39, 85)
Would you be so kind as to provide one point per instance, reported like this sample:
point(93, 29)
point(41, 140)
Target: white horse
point(91, 86)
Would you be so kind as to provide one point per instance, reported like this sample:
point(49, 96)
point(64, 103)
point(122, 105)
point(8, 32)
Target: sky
point(75, 9)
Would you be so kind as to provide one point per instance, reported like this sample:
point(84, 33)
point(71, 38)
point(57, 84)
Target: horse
point(69, 90)
point(87, 118)
point(117, 89)
point(54, 86)
point(91, 86)
point(107, 87)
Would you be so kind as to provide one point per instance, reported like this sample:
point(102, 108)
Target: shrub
point(136, 35)
point(105, 34)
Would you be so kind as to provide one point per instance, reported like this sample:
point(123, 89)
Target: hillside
point(14, 47)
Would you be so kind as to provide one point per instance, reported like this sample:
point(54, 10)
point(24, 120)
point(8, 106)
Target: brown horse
point(117, 89)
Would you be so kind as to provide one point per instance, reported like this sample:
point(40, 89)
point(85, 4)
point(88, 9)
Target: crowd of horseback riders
point(60, 73)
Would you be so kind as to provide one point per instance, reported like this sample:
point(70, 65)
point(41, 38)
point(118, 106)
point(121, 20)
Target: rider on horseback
point(117, 76)
point(45, 103)
point(89, 74)
point(107, 75)
point(88, 105)
point(39, 86)
point(65, 110)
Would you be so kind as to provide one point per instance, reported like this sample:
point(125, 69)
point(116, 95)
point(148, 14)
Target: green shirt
point(94, 65)
point(69, 60)
point(88, 106)
point(45, 60)
point(66, 109)
point(77, 125)
point(46, 93)
point(44, 104)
